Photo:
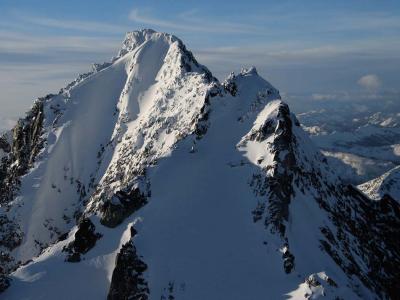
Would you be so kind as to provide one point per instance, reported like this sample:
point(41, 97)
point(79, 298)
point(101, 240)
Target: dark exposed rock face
point(187, 59)
point(120, 206)
point(26, 144)
point(230, 85)
point(202, 123)
point(26, 138)
point(4, 282)
point(281, 188)
point(370, 230)
point(10, 233)
point(5, 262)
point(10, 238)
point(288, 261)
point(363, 239)
point(85, 239)
point(278, 187)
point(127, 279)
point(4, 161)
point(274, 182)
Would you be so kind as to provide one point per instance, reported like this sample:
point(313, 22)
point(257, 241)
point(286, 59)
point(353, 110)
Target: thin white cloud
point(17, 42)
point(188, 22)
point(324, 97)
point(368, 21)
point(300, 52)
point(85, 26)
point(355, 96)
point(21, 84)
point(370, 82)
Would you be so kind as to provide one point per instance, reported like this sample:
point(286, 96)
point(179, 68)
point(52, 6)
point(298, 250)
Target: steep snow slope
point(129, 112)
point(197, 229)
point(191, 189)
point(387, 184)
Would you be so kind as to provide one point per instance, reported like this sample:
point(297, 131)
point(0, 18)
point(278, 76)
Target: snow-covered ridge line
point(386, 185)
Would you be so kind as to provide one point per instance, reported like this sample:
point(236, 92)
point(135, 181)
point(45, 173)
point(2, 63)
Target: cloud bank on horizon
point(321, 51)
point(370, 82)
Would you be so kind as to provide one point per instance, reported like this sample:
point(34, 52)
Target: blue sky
point(322, 50)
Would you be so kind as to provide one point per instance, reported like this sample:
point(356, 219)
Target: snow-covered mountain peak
point(249, 71)
point(149, 179)
point(125, 115)
point(251, 91)
point(250, 82)
point(134, 39)
point(161, 45)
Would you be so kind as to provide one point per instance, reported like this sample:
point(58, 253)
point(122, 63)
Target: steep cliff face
point(20, 148)
point(364, 240)
point(149, 179)
point(357, 233)
point(127, 280)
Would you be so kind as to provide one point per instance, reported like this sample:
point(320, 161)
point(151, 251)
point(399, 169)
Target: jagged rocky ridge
point(127, 279)
point(158, 181)
point(386, 185)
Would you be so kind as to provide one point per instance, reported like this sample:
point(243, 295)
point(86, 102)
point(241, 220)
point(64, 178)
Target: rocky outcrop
point(188, 60)
point(280, 187)
point(4, 281)
point(363, 237)
point(10, 233)
point(370, 231)
point(20, 148)
point(386, 184)
point(121, 205)
point(26, 144)
point(127, 280)
point(10, 238)
point(288, 260)
point(275, 181)
point(85, 239)
point(230, 85)
point(26, 138)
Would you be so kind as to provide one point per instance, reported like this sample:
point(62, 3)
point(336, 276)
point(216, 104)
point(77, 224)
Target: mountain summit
point(147, 178)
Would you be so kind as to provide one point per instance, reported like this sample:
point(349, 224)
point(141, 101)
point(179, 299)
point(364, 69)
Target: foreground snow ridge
point(147, 178)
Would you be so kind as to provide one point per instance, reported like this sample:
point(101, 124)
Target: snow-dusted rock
point(387, 184)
